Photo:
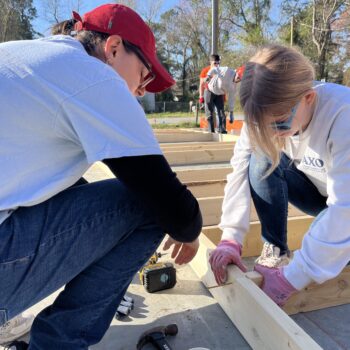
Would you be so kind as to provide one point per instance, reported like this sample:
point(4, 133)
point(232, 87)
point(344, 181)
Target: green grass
point(169, 115)
point(172, 126)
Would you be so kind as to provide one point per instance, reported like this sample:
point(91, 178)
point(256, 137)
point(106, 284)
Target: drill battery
point(155, 276)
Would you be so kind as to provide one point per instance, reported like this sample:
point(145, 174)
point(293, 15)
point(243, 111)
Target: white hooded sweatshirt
point(322, 153)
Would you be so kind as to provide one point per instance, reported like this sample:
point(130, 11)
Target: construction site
point(237, 315)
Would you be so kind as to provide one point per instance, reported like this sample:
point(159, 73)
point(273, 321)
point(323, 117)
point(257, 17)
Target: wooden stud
point(319, 296)
point(211, 208)
point(191, 146)
point(182, 136)
point(210, 188)
point(261, 322)
point(208, 174)
point(297, 227)
point(204, 156)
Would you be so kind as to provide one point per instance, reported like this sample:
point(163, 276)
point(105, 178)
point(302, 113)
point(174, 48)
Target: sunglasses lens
point(280, 127)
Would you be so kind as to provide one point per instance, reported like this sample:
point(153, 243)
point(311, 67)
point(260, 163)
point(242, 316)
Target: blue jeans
point(272, 194)
point(92, 238)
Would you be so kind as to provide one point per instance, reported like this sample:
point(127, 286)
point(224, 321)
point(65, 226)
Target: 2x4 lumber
point(183, 137)
point(252, 246)
point(188, 146)
point(319, 296)
point(210, 188)
point(315, 296)
point(211, 210)
point(261, 322)
point(208, 174)
point(204, 156)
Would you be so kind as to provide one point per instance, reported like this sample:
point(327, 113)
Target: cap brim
point(163, 79)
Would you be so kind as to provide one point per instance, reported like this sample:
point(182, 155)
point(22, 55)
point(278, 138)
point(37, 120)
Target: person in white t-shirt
point(223, 82)
point(214, 99)
point(294, 147)
point(68, 101)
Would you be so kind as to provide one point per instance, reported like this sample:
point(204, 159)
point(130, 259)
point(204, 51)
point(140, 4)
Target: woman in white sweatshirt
point(294, 147)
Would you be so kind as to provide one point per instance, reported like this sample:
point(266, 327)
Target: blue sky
point(41, 25)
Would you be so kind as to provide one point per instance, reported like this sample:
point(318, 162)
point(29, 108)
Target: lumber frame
point(261, 322)
point(211, 210)
point(297, 227)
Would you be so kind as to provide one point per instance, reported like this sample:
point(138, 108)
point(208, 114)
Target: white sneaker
point(271, 257)
point(15, 328)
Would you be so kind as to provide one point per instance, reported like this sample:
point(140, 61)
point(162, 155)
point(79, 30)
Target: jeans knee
point(258, 166)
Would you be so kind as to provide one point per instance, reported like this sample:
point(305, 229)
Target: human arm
point(237, 200)
point(123, 138)
point(325, 248)
point(213, 71)
point(202, 85)
point(174, 207)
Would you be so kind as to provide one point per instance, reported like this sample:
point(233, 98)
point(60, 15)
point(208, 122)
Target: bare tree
point(55, 11)
point(323, 16)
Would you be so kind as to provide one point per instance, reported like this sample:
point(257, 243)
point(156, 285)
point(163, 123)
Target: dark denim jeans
point(216, 101)
point(272, 194)
point(92, 238)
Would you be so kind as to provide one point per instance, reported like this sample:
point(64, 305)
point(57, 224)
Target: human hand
point(183, 253)
point(227, 252)
point(275, 285)
point(201, 100)
point(231, 117)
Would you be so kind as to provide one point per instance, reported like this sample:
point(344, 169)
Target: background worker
point(204, 95)
point(223, 83)
point(294, 147)
point(216, 96)
point(74, 100)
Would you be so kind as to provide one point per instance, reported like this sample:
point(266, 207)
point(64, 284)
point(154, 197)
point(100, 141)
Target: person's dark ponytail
point(91, 40)
point(65, 27)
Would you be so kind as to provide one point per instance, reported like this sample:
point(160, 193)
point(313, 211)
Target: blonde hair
point(274, 81)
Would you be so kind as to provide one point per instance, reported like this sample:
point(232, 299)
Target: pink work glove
point(227, 252)
point(275, 285)
point(201, 100)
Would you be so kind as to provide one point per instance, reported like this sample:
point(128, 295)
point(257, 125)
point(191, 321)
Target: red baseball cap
point(123, 21)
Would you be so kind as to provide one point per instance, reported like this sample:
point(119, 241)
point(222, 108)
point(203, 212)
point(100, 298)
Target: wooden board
point(261, 322)
point(210, 188)
point(211, 208)
point(183, 136)
point(205, 156)
point(188, 146)
point(297, 227)
point(208, 174)
point(319, 296)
